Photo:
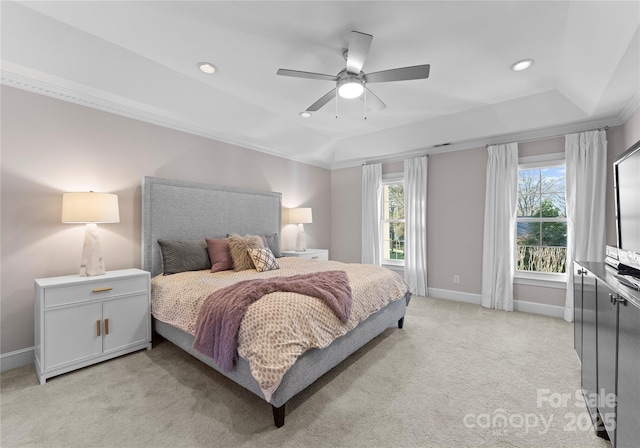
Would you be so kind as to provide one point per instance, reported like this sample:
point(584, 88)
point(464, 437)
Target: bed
point(185, 211)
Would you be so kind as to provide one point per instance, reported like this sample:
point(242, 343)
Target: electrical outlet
point(456, 279)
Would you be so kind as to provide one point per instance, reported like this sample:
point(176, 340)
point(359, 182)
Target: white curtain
point(498, 256)
point(586, 164)
point(371, 210)
point(415, 227)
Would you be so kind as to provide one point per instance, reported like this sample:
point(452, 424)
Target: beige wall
point(615, 146)
point(456, 188)
point(632, 130)
point(346, 215)
point(51, 146)
point(455, 219)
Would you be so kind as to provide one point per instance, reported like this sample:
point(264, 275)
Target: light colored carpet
point(456, 375)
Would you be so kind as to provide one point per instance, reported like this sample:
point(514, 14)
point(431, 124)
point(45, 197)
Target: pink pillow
point(219, 254)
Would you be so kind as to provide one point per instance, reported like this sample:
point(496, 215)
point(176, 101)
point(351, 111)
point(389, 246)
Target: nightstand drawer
point(64, 295)
point(309, 254)
point(317, 257)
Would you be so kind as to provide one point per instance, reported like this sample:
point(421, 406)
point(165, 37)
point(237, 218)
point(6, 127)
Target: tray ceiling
point(139, 59)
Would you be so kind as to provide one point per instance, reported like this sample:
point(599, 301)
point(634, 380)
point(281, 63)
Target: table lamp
point(300, 216)
point(90, 209)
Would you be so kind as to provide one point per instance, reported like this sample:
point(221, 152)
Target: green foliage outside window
point(393, 222)
point(541, 222)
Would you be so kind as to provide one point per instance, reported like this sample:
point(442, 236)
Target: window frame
point(388, 179)
point(537, 278)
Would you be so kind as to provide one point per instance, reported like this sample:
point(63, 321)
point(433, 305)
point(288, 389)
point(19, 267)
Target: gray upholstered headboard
point(190, 211)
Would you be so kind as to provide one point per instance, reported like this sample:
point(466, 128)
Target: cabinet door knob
point(106, 326)
point(102, 289)
point(98, 328)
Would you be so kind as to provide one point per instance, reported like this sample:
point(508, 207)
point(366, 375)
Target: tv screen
point(627, 184)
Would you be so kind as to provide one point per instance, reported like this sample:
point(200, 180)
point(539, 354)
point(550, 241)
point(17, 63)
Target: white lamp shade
point(90, 208)
point(300, 216)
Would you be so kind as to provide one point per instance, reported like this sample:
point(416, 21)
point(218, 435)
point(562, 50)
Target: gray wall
point(51, 146)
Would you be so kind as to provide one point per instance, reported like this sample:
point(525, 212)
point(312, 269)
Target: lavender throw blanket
point(221, 313)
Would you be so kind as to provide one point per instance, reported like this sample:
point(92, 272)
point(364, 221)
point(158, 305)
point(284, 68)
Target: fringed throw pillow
point(239, 246)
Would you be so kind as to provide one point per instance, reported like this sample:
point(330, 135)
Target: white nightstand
point(310, 254)
point(80, 321)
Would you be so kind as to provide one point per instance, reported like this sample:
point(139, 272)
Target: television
point(626, 178)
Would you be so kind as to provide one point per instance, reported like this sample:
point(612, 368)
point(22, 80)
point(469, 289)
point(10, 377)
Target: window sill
point(394, 267)
point(546, 280)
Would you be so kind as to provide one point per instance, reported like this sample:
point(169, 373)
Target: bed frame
point(188, 211)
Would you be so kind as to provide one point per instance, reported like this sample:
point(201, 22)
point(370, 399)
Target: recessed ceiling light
point(305, 114)
point(522, 65)
point(207, 67)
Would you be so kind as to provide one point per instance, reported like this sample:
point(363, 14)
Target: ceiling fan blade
point(373, 101)
point(358, 51)
point(399, 74)
point(322, 101)
point(309, 75)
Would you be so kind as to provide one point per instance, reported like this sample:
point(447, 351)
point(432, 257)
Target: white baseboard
point(538, 308)
point(458, 296)
point(17, 358)
point(518, 305)
point(25, 356)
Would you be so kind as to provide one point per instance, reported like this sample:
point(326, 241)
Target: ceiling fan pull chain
point(365, 104)
point(336, 103)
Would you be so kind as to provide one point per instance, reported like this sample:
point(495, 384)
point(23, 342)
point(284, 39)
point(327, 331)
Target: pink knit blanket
point(219, 319)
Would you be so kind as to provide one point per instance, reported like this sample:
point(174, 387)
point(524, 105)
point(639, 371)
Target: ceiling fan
point(351, 82)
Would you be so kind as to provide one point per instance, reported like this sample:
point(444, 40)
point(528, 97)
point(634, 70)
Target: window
point(541, 221)
point(392, 222)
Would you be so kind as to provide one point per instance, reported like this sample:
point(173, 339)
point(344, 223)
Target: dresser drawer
point(62, 295)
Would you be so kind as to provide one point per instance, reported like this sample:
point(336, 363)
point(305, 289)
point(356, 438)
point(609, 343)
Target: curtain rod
point(547, 137)
point(398, 159)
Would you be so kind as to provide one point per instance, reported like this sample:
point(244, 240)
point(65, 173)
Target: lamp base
point(300, 247)
point(91, 262)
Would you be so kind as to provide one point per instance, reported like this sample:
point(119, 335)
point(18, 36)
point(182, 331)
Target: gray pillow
point(182, 256)
point(273, 242)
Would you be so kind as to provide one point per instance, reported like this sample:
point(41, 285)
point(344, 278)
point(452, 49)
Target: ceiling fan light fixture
point(207, 67)
point(522, 65)
point(351, 82)
point(350, 88)
point(305, 114)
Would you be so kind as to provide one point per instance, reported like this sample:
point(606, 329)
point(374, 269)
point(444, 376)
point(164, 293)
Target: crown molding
point(539, 134)
point(630, 108)
point(127, 108)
